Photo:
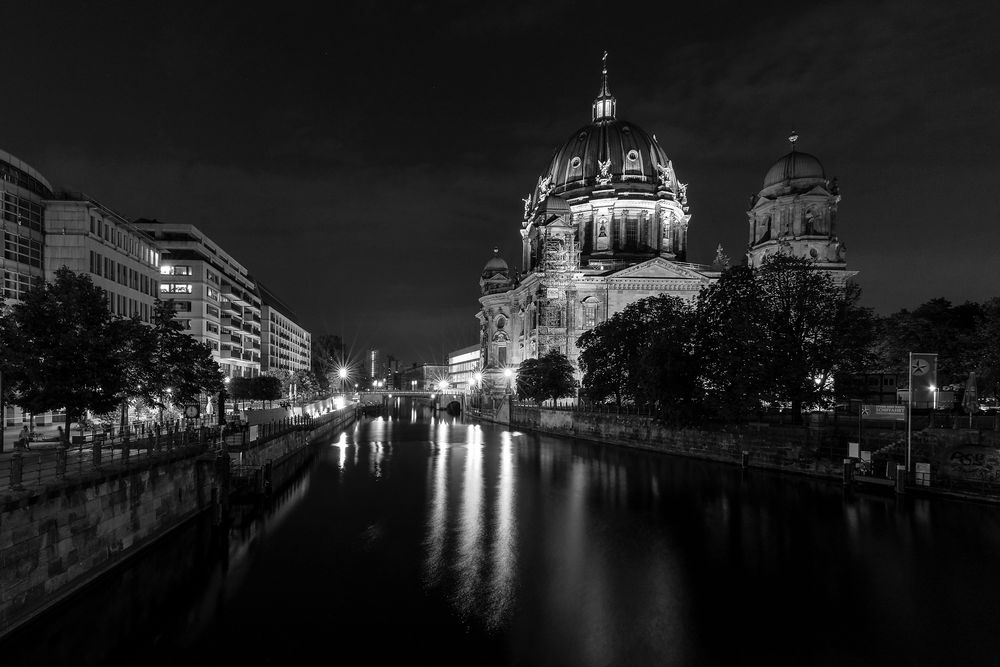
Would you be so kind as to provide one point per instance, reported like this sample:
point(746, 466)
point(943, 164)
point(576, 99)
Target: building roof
point(792, 166)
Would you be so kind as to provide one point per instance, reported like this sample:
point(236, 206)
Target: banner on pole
point(923, 378)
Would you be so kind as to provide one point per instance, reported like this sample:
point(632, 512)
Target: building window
point(175, 288)
point(589, 315)
point(212, 293)
point(16, 285)
point(22, 212)
point(211, 327)
point(212, 310)
point(631, 234)
point(22, 249)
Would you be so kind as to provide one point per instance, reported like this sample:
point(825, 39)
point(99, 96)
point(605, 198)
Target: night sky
point(362, 159)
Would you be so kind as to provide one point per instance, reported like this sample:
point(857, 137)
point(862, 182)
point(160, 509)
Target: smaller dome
point(496, 263)
point(792, 166)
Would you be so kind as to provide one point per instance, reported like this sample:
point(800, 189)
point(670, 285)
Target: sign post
point(923, 378)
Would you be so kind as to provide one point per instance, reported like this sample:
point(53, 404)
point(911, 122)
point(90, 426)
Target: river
point(419, 537)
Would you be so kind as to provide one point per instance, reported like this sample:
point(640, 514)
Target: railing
point(825, 418)
point(37, 469)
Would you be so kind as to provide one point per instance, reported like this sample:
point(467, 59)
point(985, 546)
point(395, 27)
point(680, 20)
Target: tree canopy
point(776, 334)
point(60, 348)
point(548, 377)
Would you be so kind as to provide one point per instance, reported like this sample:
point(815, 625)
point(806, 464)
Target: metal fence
point(100, 451)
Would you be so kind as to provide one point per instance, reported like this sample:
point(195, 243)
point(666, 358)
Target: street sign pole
point(909, 410)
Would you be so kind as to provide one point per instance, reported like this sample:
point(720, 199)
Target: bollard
point(900, 479)
point(745, 460)
point(16, 469)
point(848, 471)
point(61, 457)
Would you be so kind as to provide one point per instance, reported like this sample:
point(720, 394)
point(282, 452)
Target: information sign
point(884, 412)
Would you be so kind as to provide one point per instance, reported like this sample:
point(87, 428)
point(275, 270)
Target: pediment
point(658, 267)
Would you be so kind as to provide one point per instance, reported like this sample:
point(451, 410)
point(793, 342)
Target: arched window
point(500, 341)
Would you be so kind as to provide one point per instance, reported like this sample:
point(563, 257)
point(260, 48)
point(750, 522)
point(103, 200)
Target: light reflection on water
point(435, 539)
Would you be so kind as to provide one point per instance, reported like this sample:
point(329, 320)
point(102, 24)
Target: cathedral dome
point(496, 264)
point(582, 160)
point(609, 154)
point(792, 166)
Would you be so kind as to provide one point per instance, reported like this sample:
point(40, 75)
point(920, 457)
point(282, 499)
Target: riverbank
point(956, 464)
point(60, 534)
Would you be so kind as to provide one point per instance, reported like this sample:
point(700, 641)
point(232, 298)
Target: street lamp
point(508, 373)
point(343, 376)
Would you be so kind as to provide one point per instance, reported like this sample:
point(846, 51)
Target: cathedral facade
point(607, 225)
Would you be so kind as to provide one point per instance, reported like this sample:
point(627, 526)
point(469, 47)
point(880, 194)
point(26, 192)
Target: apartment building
point(285, 344)
point(215, 297)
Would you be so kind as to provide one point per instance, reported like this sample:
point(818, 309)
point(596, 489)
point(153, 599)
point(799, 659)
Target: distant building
point(423, 377)
point(215, 297)
point(285, 344)
point(462, 366)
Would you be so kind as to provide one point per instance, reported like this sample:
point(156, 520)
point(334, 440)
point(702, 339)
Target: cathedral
point(607, 224)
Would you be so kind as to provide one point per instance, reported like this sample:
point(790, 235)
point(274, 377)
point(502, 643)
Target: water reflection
point(444, 540)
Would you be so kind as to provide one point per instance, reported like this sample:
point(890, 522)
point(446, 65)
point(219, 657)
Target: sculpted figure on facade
point(664, 174)
point(604, 177)
point(544, 187)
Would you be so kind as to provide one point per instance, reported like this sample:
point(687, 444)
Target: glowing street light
point(343, 377)
point(508, 373)
point(442, 385)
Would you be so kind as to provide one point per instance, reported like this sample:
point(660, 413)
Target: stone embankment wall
point(56, 540)
point(286, 454)
point(955, 455)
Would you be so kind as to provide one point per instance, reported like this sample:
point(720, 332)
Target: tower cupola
point(605, 105)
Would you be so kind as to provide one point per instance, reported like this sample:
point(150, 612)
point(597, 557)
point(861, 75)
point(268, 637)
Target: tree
point(613, 354)
point(669, 368)
point(240, 389)
point(179, 365)
point(815, 329)
point(306, 386)
point(550, 376)
point(266, 388)
point(327, 358)
point(730, 343)
point(60, 348)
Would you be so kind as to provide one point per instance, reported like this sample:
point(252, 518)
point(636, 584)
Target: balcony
point(225, 354)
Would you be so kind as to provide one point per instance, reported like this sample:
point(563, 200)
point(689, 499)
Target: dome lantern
point(604, 105)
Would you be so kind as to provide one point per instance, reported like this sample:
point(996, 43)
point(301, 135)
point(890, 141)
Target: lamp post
point(343, 377)
point(222, 401)
point(477, 382)
point(508, 373)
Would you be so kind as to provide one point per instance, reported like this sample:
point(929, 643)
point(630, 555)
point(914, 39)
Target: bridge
point(442, 400)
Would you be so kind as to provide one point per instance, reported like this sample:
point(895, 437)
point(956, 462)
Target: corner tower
point(795, 213)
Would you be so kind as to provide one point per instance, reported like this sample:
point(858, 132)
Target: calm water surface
point(421, 538)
